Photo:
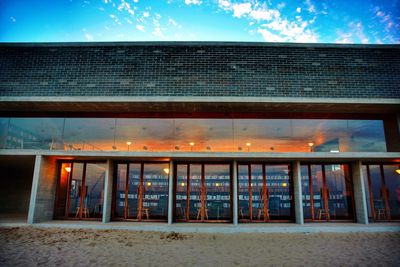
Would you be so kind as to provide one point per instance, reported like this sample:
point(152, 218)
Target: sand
point(31, 246)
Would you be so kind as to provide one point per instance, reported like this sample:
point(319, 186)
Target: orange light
point(129, 143)
point(191, 143)
point(284, 184)
point(217, 184)
point(397, 170)
point(248, 144)
point(166, 170)
point(148, 184)
point(182, 184)
point(311, 144)
point(68, 169)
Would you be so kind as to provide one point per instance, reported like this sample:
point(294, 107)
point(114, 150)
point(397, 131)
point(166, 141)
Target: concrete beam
point(235, 193)
point(41, 206)
point(108, 187)
point(298, 195)
point(359, 193)
point(171, 193)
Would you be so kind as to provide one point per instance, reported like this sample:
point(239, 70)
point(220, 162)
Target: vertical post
point(108, 186)
point(34, 190)
point(41, 206)
point(359, 193)
point(298, 198)
point(235, 193)
point(171, 192)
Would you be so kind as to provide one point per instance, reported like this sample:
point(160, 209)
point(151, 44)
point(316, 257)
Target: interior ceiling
point(194, 107)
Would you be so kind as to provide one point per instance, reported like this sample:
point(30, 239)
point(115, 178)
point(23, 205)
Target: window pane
point(392, 182)
point(243, 191)
point(306, 194)
point(195, 192)
point(279, 192)
point(133, 190)
point(155, 191)
point(181, 192)
point(121, 187)
point(76, 189)
point(3, 132)
point(89, 134)
point(35, 133)
point(94, 189)
point(257, 184)
point(217, 186)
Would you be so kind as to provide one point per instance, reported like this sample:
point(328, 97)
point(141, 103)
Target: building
point(200, 132)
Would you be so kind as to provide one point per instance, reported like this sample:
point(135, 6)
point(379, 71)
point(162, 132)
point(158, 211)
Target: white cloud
point(298, 10)
point(344, 38)
point(157, 32)
point(241, 9)
point(146, 14)
point(89, 37)
point(13, 19)
point(264, 14)
point(224, 4)
point(172, 22)
point(140, 28)
point(192, 2)
point(310, 6)
point(270, 37)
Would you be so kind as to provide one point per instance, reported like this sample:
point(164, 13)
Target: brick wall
point(212, 69)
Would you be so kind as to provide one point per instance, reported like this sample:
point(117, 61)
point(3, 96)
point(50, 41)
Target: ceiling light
point(191, 143)
point(166, 170)
point(248, 144)
point(68, 169)
point(129, 143)
point(311, 144)
point(397, 170)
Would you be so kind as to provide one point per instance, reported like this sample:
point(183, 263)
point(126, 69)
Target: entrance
point(265, 192)
point(203, 192)
point(80, 190)
point(327, 192)
point(141, 191)
point(382, 184)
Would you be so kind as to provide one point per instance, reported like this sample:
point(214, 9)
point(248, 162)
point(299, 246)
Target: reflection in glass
point(35, 133)
point(257, 195)
point(120, 195)
point(330, 196)
point(94, 190)
point(89, 134)
point(133, 200)
point(155, 191)
point(194, 134)
point(3, 132)
point(181, 192)
point(195, 192)
point(244, 192)
point(392, 181)
point(217, 191)
point(76, 190)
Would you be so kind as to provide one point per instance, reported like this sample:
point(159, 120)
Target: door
point(203, 192)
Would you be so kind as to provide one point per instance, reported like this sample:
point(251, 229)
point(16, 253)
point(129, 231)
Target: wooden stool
point(85, 212)
point(145, 211)
point(323, 212)
point(380, 214)
point(199, 213)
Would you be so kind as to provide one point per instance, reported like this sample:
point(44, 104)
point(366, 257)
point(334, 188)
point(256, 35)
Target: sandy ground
point(29, 246)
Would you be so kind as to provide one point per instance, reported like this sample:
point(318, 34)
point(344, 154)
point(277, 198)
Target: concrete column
point(108, 187)
point(359, 193)
point(41, 206)
point(298, 197)
point(171, 192)
point(235, 193)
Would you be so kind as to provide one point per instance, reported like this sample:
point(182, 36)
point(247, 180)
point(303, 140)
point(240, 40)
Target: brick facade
point(200, 69)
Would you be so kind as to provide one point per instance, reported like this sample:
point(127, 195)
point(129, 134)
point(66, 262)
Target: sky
point(296, 21)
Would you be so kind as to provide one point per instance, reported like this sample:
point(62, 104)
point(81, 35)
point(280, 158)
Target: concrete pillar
point(41, 206)
point(171, 192)
point(235, 193)
point(108, 187)
point(359, 193)
point(298, 197)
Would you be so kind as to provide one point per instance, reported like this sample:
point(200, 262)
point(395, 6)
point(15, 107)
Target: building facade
point(200, 132)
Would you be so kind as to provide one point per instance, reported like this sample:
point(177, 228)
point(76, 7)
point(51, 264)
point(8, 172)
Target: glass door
point(328, 192)
point(203, 192)
point(80, 190)
point(141, 191)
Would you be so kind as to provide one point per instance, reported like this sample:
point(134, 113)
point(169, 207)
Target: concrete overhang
point(171, 105)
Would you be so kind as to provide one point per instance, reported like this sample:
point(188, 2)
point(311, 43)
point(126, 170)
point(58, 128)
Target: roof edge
point(194, 44)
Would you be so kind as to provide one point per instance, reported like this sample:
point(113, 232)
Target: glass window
point(35, 133)
point(392, 182)
point(244, 192)
point(3, 132)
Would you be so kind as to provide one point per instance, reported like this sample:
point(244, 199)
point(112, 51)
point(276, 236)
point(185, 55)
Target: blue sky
point(322, 21)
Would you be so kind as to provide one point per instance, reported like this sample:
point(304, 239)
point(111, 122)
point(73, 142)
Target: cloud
point(193, 2)
point(298, 10)
point(241, 9)
point(146, 14)
point(225, 4)
point(13, 19)
point(264, 14)
point(140, 28)
point(270, 37)
point(89, 37)
point(310, 6)
point(344, 38)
